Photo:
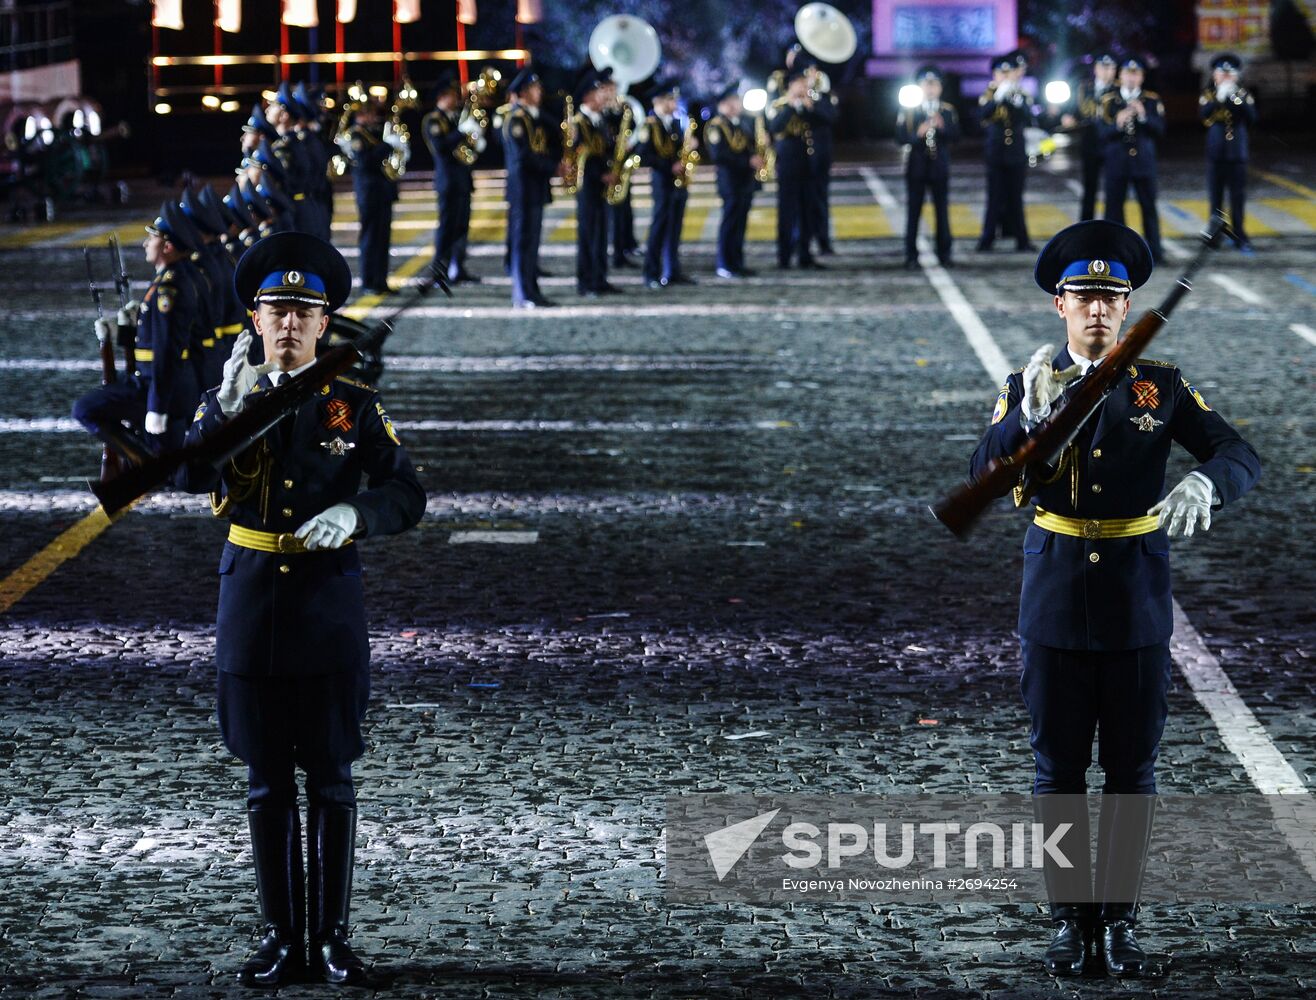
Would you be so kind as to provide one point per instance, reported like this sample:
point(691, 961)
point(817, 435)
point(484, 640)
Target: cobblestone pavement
point(729, 486)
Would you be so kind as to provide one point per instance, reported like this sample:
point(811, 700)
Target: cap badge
point(1098, 267)
point(293, 278)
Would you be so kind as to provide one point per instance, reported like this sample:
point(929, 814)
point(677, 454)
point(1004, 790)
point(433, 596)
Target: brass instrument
point(339, 164)
point(689, 156)
point(573, 157)
point(483, 88)
point(396, 163)
point(765, 150)
point(624, 162)
point(931, 108)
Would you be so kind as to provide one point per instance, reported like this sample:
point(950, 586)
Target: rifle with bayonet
point(960, 509)
point(110, 462)
point(128, 333)
point(259, 414)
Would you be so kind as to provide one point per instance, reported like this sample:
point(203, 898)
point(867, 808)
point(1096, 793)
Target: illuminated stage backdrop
point(959, 34)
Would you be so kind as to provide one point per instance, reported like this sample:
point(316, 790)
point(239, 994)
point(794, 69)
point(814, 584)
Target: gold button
point(1008, 140)
point(287, 512)
point(1133, 152)
point(287, 484)
point(1096, 452)
point(1096, 487)
point(285, 568)
point(1094, 557)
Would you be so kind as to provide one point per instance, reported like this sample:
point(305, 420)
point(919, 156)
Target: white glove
point(129, 313)
point(1225, 90)
point(239, 376)
point(1187, 506)
point(104, 331)
point(480, 144)
point(156, 423)
point(395, 140)
point(344, 144)
point(468, 126)
point(1043, 386)
point(1003, 89)
point(331, 528)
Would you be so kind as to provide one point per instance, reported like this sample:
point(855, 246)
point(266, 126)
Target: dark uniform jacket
point(302, 613)
point(659, 147)
point(927, 159)
point(1227, 123)
point(367, 155)
point(594, 143)
point(1003, 123)
point(1131, 151)
point(730, 144)
point(792, 132)
point(1114, 593)
point(443, 140)
point(530, 157)
point(171, 327)
point(1087, 110)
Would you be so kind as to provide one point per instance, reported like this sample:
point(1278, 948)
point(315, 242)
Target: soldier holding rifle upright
point(1095, 615)
point(291, 642)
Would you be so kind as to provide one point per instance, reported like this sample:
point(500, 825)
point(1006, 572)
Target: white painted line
point(1305, 332)
point(1175, 249)
point(493, 538)
point(989, 353)
point(1241, 292)
point(1239, 729)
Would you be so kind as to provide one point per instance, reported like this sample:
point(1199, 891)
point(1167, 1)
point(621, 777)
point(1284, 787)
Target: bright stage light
point(911, 95)
point(755, 100)
point(229, 106)
point(210, 100)
point(1057, 92)
point(163, 109)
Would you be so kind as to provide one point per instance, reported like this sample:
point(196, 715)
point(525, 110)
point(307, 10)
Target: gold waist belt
point(149, 355)
point(1107, 527)
point(267, 541)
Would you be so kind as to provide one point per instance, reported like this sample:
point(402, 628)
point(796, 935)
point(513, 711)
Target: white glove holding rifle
point(104, 330)
point(1043, 385)
point(239, 376)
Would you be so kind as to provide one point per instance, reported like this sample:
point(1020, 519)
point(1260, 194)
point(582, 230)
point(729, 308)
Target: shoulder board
point(1151, 95)
point(1017, 371)
point(359, 385)
point(947, 106)
point(1158, 364)
point(167, 276)
point(781, 102)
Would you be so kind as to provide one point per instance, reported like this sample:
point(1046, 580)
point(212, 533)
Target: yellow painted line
point(408, 269)
point(861, 222)
point(762, 225)
point(1045, 220)
point(1285, 183)
point(66, 546)
point(1200, 209)
point(692, 226)
point(130, 239)
point(38, 234)
point(1302, 209)
point(561, 231)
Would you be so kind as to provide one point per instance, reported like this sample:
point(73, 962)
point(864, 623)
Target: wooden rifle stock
point(960, 509)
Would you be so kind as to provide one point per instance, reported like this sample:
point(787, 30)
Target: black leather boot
point(1068, 889)
point(331, 848)
point(1123, 837)
point(276, 848)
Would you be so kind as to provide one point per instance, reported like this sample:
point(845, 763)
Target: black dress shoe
point(1068, 949)
point(276, 850)
point(911, 263)
point(331, 839)
point(623, 262)
point(812, 265)
point(783, 265)
point(1124, 956)
point(654, 283)
point(680, 279)
point(277, 961)
point(1026, 247)
point(826, 250)
point(466, 278)
point(608, 288)
point(983, 247)
point(746, 272)
point(543, 303)
point(945, 262)
point(333, 961)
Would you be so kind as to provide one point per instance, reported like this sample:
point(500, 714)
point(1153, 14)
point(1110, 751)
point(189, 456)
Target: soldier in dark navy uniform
point(171, 320)
point(227, 314)
point(731, 143)
point(1084, 120)
point(1228, 111)
point(532, 162)
point(791, 121)
point(454, 182)
point(928, 131)
point(375, 194)
point(1005, 112)
point(1132, 120)
point(1095, 613)
point(661, 138)
point(291, 644)
point(298, 160)
point(310, 134)
point(594, 148)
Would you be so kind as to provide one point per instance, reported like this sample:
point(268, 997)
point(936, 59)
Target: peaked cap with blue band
point(172, 225)
point(524, 79)
point(293, 267)
point(1095, 256)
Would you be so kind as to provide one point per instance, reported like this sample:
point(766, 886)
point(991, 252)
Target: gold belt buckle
point(1091, 529)
point(288, 542)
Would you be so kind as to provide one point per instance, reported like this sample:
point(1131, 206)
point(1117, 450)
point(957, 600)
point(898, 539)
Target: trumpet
point(339, 164)
point(396, 130)
point(624, 162)
point(765, 150)
point(689, 157)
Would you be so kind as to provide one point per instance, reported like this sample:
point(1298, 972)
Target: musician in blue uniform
point(1095, 614)
point(621, 217)
point(928, 131)
point(1004, 111)
point(661, 139)
point(1228, 111)
point(1084, 119)
point(171, 322)
point(593, 166)
point(375, 193)
point(732, 145)
point(227, 314)
point(531, 162)
point(1132, 120)
point(454, 152)
point(291, 643)
point(791, 121)
point(826, 113)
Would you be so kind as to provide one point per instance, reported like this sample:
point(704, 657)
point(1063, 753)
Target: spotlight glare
point(755, 100)
point(911, 95)
point(163, 108)
point(1057, 92)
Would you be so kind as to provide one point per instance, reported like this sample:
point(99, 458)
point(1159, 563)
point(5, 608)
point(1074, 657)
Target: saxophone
point(478, 90)
point(930, 136)
point(396, 164)
point(689, 156)
point(339, 164)
point(572, 156)
point(624, 161)
point(765, 150)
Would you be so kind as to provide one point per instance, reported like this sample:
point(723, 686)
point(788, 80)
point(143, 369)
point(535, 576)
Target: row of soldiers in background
point(1117, 123)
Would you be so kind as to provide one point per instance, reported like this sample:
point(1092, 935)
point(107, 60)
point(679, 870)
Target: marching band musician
point(1085, 119)
point(928, 131)
point(1004, 112)
point(621, 217)
point(368, 150)
point(1228, 112)
point(660, 142)
point(791, 120)
point(454, 182)
point(826, 111)
point(730, 139)
point(1132, 119)
point(594, 175)
point(531, 165)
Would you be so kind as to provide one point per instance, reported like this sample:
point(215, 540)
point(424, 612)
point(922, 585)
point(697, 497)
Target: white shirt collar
point(594, 117)
point(1084, 364)
point(277, 376)
point(1129, 95)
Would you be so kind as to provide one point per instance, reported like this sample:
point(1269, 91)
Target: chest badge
point(1146, 422)
point(338, 415)
point(1146, 395)
point(338, 447)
